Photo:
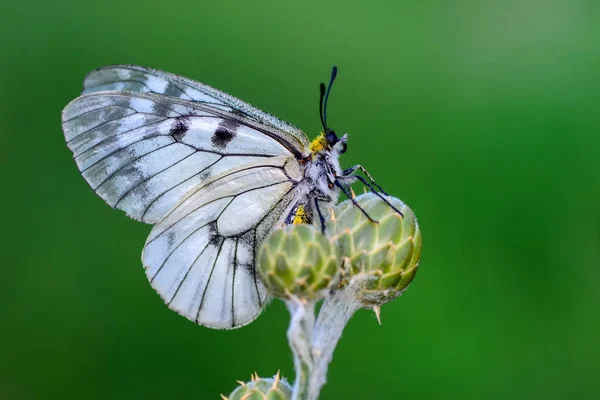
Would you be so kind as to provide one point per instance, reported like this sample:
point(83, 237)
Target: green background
point(483, 116)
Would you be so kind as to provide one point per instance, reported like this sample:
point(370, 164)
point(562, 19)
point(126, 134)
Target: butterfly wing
point(146, 80)
point(200, 257)
point(213, 172)
point(141, 152)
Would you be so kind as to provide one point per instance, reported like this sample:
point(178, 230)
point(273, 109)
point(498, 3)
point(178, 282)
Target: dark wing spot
point(225, 133)
point(213, 235)
point(222, 137)
point(205, 174)
point(179, 128)
point(173, 90)
point(248, 240)
point(171, 238)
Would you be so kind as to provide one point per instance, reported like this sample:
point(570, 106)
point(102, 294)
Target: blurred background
point(483, 116)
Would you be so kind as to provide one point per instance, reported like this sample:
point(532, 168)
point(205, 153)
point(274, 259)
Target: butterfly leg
point(353, 200)
point(350, 173)
point(378, 194)
point(320, 215)
point(351, 170)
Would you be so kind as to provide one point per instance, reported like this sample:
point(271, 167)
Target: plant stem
point(299, 336)
point(313, 342)
point(333, 317)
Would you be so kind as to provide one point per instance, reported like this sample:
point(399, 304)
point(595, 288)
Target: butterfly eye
point(344, 148)
point(331, 138)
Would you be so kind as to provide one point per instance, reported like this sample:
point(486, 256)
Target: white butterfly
point(214, 174)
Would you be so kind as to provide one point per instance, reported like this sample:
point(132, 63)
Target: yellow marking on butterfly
point(300, 217)
point(319, 143)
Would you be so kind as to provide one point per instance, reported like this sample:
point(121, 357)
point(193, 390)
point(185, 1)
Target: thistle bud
point(387, 253)
point(297, 260)
point(262, 389)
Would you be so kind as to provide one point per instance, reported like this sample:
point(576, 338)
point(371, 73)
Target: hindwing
point(201, 257)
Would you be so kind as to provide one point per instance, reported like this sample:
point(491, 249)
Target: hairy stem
point(299, 336)
point(313, 342)
point(333, 317)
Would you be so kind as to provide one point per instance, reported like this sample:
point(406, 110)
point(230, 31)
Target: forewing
point(200, 257)
point(143, 152)
point(139, 79)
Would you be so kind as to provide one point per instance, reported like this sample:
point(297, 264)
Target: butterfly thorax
point(323, 166)
point(318, 144)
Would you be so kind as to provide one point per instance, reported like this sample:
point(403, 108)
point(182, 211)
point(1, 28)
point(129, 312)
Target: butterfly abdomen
point(300, 214)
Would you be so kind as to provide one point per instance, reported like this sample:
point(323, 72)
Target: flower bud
point(297, 260)
point(387, 253)
point(262, 389)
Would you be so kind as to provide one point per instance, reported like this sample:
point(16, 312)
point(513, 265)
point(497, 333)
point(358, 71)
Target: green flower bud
point(297, 260)
point(262, 389)
point(386, 252)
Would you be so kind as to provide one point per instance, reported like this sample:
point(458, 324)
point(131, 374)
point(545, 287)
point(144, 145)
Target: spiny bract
point(262, 389)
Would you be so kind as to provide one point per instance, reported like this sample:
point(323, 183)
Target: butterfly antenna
point(322, 89)
point(333, 75)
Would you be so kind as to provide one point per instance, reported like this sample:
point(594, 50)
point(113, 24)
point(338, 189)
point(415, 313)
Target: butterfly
point(213, 174)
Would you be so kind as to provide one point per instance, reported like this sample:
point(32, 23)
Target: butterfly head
point(328, 140)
